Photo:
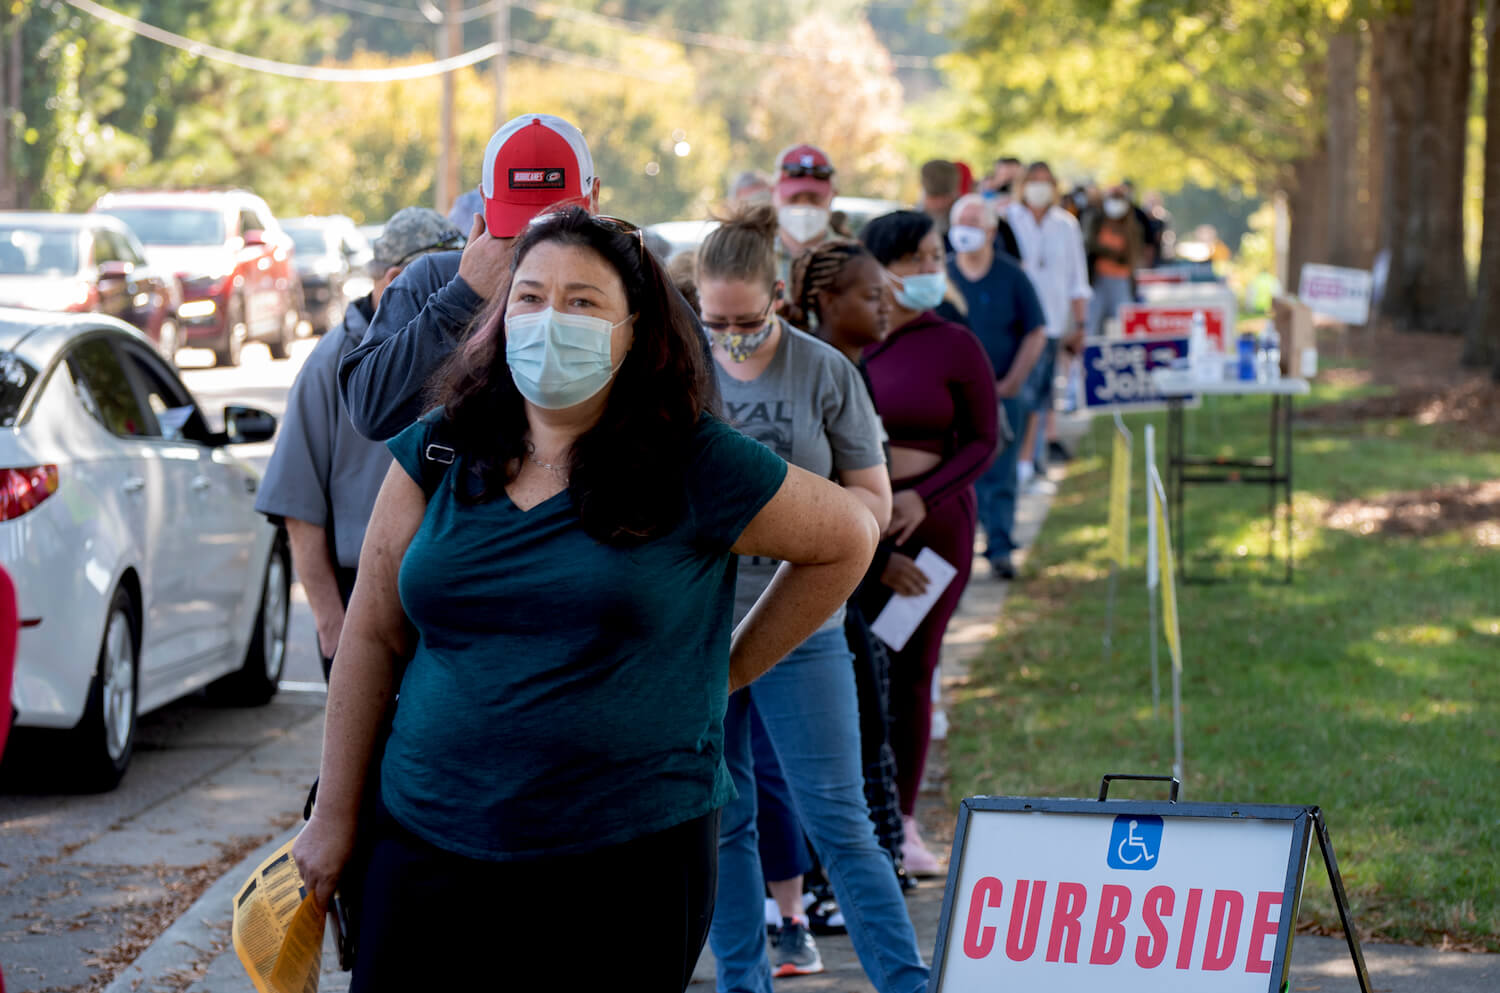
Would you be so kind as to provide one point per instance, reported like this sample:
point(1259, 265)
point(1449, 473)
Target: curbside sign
point(1075, 895)
point(1174, 319)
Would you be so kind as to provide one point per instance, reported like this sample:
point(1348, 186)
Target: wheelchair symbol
point(1135, 842)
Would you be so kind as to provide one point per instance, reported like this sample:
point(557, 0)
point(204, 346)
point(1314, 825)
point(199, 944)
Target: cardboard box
point(1294, 323)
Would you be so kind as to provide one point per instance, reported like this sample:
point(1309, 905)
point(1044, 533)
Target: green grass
point(1369, 687)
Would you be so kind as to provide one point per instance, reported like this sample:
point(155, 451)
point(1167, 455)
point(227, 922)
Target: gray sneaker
point(793, 951)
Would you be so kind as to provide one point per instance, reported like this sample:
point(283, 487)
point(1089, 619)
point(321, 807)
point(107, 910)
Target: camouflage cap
point(414, 231)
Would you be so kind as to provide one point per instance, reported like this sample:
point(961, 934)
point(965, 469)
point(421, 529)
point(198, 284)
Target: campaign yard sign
point(1174, 319)
point(1337, 292)
point(1080, 895)
point(1117, 371)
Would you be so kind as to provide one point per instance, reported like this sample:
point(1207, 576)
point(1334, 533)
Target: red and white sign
point(1175, 319)
point(1084, 902)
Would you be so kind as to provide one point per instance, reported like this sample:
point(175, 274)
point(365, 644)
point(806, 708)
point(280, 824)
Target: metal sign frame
point(1306, 822)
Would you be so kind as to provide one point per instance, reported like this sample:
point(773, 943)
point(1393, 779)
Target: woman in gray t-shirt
point(801, 398)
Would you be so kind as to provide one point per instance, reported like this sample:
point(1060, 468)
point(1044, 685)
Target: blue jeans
point(996, 489)
point(1110, 294)
point(809, 708)
point(1036, 395)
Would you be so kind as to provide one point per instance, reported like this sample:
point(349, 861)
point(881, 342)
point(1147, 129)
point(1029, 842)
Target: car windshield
point(38, 251)
point(16, 378)
point(309, 241)
point(172, 225)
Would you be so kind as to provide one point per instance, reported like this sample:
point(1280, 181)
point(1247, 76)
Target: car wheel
point(257, 678)
point(235, 332)
point(169, 341)
point(105, 739)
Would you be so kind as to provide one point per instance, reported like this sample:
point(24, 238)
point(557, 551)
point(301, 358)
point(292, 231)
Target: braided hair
point(814, 271)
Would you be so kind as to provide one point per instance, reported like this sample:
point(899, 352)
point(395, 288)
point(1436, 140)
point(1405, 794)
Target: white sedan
point(142, 570)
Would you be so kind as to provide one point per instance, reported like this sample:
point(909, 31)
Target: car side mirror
point(253, 238)
point(114, 269)
point(244, 425)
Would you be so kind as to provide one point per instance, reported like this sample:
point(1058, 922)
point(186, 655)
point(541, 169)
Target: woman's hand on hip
point(322, 851)
point(907, 513)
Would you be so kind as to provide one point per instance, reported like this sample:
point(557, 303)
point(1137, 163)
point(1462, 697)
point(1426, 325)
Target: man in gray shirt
point(323, 476)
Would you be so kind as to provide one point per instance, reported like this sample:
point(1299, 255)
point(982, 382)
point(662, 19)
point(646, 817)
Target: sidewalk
point(193, 955)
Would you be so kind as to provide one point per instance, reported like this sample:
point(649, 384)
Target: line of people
point(596, 615)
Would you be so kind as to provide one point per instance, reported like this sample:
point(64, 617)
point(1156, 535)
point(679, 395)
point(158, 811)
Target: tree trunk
point(1482, 336)
point(1343, 147)
point(1396, 92)
point(1441, 41)
point(10, 105)
point(1374, 153)
point(1307, 204)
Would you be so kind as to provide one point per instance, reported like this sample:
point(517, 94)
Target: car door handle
point(202, 483)
point(133, 485)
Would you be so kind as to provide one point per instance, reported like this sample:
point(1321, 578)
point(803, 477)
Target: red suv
point(233, 259)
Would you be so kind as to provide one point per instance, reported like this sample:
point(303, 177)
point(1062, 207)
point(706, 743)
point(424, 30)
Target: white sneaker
point(1041, 486)
point(1024, 472)
point(918, 860)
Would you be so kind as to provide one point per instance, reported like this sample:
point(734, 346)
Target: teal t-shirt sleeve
point(731, 479)
point(406, 447)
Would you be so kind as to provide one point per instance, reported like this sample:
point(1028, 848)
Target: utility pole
point(500, 28)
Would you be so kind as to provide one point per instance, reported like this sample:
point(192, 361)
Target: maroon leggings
point(949, 531)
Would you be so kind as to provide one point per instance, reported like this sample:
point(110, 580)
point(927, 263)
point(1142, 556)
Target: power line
point(407, 14)
point(702, 39)
point(698, 39)
point(292, 70)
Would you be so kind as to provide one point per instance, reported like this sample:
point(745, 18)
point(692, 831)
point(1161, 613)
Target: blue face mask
point(922, 291)
point(559, 360)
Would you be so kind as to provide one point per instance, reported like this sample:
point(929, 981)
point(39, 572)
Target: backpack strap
point(437, 456)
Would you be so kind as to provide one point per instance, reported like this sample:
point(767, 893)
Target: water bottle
point(1203, 359)
point(1247, 363)
point(1270, 353)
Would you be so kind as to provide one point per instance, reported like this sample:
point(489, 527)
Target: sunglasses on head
point(794, 171)
point(613, 224)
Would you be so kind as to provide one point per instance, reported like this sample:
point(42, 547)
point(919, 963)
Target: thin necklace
point(556, 470)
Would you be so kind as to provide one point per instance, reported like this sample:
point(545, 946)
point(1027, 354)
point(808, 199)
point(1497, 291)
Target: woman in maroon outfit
point(935, 392)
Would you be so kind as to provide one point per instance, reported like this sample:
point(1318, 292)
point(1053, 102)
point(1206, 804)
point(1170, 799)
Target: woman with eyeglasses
point(802, 399)
point(936, 395)
point(553, 554)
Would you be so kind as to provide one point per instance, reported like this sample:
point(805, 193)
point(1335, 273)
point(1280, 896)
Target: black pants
point(631, 916)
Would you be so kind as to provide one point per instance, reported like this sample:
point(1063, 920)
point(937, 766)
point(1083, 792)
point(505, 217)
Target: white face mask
point(1037, 194)
point(1116, 207)
point(803, 223)
point(967, 238)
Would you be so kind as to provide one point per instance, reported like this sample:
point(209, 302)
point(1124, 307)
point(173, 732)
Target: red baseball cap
point(802, 168)
point(533, 162)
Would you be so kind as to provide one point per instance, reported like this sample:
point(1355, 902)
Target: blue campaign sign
point(1135, 842)
point(1117, 371)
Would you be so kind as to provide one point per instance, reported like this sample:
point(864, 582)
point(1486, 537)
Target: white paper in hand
point(899, 620)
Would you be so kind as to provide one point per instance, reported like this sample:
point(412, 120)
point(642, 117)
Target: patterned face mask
point(739, 345)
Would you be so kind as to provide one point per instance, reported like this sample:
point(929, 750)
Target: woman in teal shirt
point(564, 596)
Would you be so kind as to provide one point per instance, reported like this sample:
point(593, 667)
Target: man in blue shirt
point(323, 477)
point(1006, 315)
